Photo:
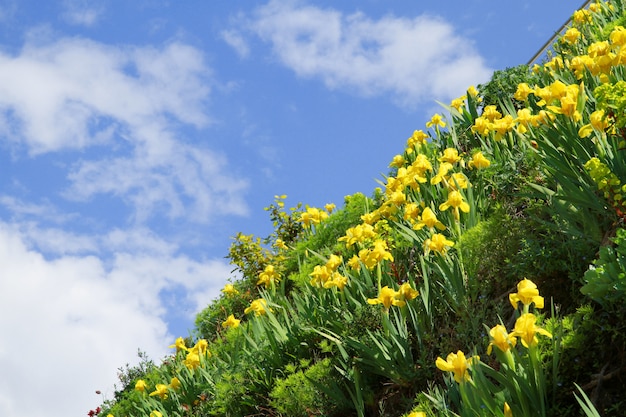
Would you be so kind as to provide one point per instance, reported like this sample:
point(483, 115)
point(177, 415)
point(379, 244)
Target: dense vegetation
point(486, 277)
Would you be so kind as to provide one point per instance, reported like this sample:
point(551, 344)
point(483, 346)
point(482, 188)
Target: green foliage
point(503, 84)
point(298, 394)
point(605, 282)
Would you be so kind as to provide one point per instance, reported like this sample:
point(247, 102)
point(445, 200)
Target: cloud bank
point(410, 59)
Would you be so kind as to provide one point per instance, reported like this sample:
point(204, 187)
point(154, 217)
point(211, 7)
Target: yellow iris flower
point(526, 330)
point(456, 363)
point(527, 293)
point(231, 321)
point(387, 297)
point(501, 339)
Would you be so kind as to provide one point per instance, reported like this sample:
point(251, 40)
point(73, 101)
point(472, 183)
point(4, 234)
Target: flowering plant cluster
point(345, 311)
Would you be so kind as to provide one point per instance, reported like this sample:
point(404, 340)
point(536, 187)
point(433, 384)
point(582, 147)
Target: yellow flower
point(501, 339)
point(418, 138)
point(161, 391)
point(231, 321)
point(456, 201)
point(334, 262)
point(507, 410)
point(259, 306)
point(436, 120)
point(330, 207)
point(417, 414)
point(380, 252)
point(411, 211)
point(156, 413)
point(406, 292)
point(313, 216)
point(571, 35)
point(459, 102)
point(141, 386)
point(479, 161)
point(527, 293)
point(526, 330)
point(438, 243)
point(229, 289)
point(175, 384)
point(598, 121)
point(320, 275)
point(280, 244)
point(450, 155)
point(482, 126)
point(387, 297)
point(491, 113)
point(354, 263)
point(179, 344)
point(358, 234)
point(398, 161)
point(456, 363)
point(337, 280)
point(430, 220)
point(456, 181)
point(442, 172)
point(192, 360)
point(201, 347)
point(268, 277)
point(523, 91)
point(472, 91)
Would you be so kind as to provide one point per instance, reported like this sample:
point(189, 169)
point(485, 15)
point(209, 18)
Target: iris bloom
point(337, 280)
point(438, 243)
point(501, 339)
point(179, 344)
point(418, 138)
point(229, 289)
point(456, 363)
point(313, 216)
point(406, 292)
point(156, 413)
point(268, 277)
point(192, 360)
point(387, 297)
point(479, 161)
point(450, 155)
point(141, 386)
point(231, 321)
point(429, 219)
point(259, 306)
point(526, 330)
point(320, 274)
point(507, 410)
point(436, 120)
point(456, 201)
point(527, 293)
point(161, 391)
point(175, 384)
point(201, 347)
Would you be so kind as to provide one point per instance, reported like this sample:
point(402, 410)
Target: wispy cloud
point(412, 59)
point(82, 12)
point(237, 42)
point(133, 104)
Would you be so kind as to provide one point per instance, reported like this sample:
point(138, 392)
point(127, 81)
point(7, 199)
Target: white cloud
point(237, 42)
point(69, 322)
point(82, 12)
point(416, 59)
point(132, 103)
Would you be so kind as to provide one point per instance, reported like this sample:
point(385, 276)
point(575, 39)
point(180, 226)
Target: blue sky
point(137, 137)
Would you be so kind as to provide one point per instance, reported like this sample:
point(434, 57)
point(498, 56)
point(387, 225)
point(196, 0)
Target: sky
point(137, 137)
